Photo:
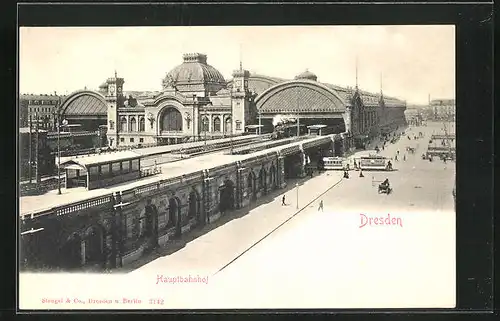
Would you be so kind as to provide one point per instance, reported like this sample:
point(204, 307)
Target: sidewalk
point(236, 236)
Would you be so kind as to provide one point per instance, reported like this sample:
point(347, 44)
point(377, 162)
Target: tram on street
point(334, 163)
point(375, 162)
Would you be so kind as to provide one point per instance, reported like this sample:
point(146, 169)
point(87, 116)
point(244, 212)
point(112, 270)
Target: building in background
point(443, 109)
point(35, 159)
point(43, 105)
point(415, 114)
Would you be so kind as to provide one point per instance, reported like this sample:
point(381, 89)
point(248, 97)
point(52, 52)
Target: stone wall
point(129, 223)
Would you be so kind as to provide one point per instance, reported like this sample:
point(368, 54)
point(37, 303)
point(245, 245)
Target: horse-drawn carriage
point(384, 187)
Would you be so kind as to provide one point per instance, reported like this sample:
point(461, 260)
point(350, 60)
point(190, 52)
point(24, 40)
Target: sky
point(413, 62)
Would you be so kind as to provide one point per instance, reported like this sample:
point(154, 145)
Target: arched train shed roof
point(259, 83)
point(303, 96)
point(84, 103)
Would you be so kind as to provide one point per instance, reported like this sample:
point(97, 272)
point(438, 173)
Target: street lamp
point(64, 123)
point(194, 105)
point(260, 120)
point(297, 187)
point(205, 125)
point(231, 136)
point(298, 125)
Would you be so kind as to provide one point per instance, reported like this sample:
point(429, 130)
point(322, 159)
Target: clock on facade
point(119, 90)
point(237, 83)
point(111, 89)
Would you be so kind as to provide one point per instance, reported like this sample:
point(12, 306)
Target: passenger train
point(288, 130)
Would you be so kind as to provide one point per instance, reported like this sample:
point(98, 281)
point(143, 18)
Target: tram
point(334, 163)
point(375, 162)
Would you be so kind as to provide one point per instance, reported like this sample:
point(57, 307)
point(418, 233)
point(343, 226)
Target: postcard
point(249, 167)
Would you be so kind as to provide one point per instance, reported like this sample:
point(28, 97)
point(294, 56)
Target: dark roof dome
point(194, 71)
point(307, 75)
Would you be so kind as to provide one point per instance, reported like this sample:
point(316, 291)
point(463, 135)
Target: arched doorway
point(337, 146)
point(263, 180)
point(174, 215)
point(194, 207)
point(251, 187)
point(151, 224)
point(292, 164)
point(272, 177)
point(70, 252)
point(226, 192)
point(92, 246)
point(171, 120)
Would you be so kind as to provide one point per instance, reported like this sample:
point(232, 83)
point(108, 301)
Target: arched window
point(123, 124)
point(172, 120)
point(142, 124)
point(227, 125)
point(204, 124)
point(133, 124)
point(216, 124)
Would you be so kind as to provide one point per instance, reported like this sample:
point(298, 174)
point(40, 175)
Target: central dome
point(307, 75)
point(194, 74)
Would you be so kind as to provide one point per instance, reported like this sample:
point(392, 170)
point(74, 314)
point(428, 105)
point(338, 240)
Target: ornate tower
point(115, 99)
point(240, 101)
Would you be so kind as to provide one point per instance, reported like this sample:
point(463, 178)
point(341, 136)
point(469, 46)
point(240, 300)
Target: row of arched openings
point(83, 249)
point(216, 124)
point(88, 248)
point(131, 125)
point(264, 180)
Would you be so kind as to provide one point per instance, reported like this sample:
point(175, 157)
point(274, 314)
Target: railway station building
point(197, 103)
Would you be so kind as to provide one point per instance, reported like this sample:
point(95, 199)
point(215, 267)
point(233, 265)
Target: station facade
point(197, 103)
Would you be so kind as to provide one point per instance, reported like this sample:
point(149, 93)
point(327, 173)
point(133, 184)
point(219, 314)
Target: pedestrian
point(320, 206)
point(396, 157)
point(361, 174)
point(283, 201)
point(404, 157)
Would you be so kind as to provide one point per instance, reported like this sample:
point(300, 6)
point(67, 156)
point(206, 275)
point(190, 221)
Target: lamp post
point(260, 120)
point(37, 156)
point(64, 123)
point(298, 125)
point(205, 125)
point(231, 136)
point(194, 131)
point(297, 187)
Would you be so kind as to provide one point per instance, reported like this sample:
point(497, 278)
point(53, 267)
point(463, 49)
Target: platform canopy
point(96, 159)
